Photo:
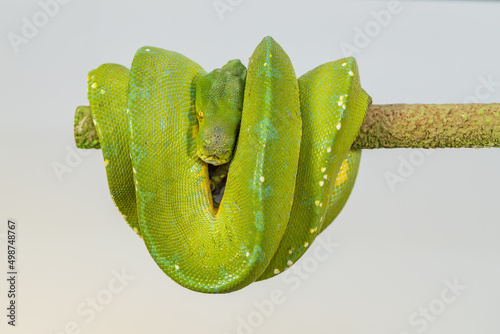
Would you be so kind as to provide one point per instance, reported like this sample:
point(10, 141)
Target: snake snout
point(215, 146)
point(213, 157)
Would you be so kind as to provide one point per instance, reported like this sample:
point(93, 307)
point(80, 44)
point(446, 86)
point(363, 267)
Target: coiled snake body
point(290, 175)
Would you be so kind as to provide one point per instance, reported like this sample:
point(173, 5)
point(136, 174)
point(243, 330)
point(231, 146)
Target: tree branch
point(389, 126)
point(84, 128)
point(430, 126)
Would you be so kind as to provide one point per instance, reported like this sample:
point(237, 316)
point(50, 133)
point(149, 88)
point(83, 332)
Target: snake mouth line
point(212, 159)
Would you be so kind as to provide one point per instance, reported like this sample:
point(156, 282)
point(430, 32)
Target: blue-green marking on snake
point(288, 142)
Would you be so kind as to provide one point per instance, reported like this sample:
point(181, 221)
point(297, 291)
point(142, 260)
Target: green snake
point(288, 141)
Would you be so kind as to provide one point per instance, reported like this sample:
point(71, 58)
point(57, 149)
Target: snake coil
point(292, 170)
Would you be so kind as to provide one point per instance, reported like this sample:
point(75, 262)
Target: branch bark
point(430, 126)
point(389, 126)
point(84, 128)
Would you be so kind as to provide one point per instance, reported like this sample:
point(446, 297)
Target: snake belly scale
point(291, 172)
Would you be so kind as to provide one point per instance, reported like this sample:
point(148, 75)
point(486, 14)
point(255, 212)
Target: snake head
point(219, 103)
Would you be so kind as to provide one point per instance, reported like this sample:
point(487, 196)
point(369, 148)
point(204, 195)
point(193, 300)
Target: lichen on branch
point(430, 126)
point(85, 131)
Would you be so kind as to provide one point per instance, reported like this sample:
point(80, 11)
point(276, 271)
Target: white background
point(396, 246)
